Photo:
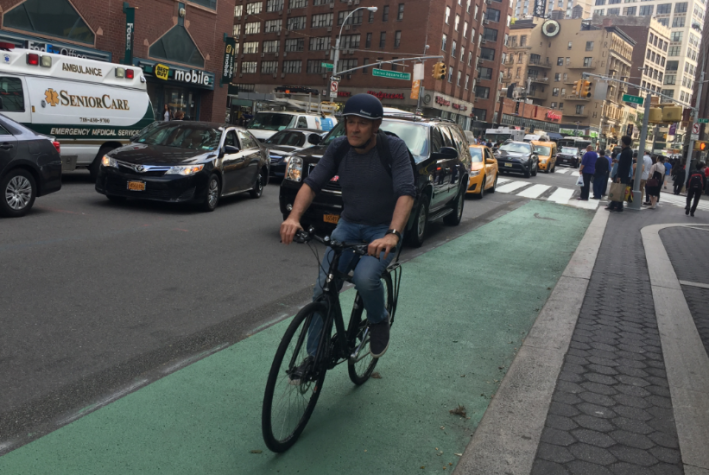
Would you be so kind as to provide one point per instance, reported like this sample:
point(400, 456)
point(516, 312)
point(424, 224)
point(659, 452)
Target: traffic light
point(671, 114)
point(577, 88)
point(655, 115)
point(585, 89)
point(439, 71)
point(701, 146)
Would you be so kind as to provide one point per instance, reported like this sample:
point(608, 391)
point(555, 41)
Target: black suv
point(442, 159)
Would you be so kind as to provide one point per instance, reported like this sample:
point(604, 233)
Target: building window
point(400, 12)
point(492, 15)
point(296, 23)
point(467, 81)
point(470, 57)
point(676, 36)
point(587, 61)
point(457, 22)
point(672, 66)
point(443, 42)
point(681, 7)
point(448, 14)
point(254, 8)
point(450, 75)
point(272, 26)
point(465, 29)
point(292, 67)
point(664, 8)
point(274, 5)
point(345, 64)
point(646, 10)
point(579, 109)
point(670, 79)
point(382, 39)
point(320, 43)
point(482, 92)
point(250, 47)
point(271, 46)
point(555, 92)
point(462, 53)
point(365, 62)
point(322, 2)
point(570, 45)
point(454, 47)
point(484, 73)
point(322, 20)
point(354, 19)
point(298, 4)
point(368, 41)
point(560, 61)
point(630, 11)
point(490, 34)
point(315, 67)
point(557, 77)
point(269, 67)
point(487, 53)
point(385, 13)
point(252, 28)
point(589, 46)
point(371, 17)
point(457, 82)
point(294, 45)
point(348, 42)
point(613, 11)
point(238, 11)
point(248, 67)
point(237, 29)
point(678, 22)
point(397, 39)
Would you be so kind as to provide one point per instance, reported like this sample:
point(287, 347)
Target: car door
point(451, 171)
point(439, 179)
point(8, 148)
point(460, 166)
point(252, 157)
point(231, 162)
point(490, 168)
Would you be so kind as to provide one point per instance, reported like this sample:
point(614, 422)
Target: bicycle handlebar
point(303, 237)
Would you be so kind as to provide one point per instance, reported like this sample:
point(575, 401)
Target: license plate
point(508, 164)
point(331, 218)
point(136, 185)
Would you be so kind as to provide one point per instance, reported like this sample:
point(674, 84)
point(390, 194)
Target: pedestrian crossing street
point(567, 196)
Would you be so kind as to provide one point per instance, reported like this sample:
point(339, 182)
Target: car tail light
point(33, 59)
point(130, 74)
point(58, 146)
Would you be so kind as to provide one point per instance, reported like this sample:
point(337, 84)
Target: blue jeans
point(599, 185)
point(368, 271)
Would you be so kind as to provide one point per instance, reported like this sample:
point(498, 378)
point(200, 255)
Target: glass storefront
point(178, 99)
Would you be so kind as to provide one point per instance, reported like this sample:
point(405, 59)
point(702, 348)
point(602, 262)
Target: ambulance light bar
point(33, 59)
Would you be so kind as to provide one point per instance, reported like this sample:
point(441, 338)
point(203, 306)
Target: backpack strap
point(383, 150)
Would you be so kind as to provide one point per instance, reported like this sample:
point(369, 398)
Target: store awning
point(554, 136)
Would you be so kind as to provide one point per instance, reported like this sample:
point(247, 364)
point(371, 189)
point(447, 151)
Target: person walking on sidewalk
point(679, 176)
point(588, 169)
point(668, 172)
point(600, 176)
point(625, 163)
point(645, 166)
point(696, 183)
point(654, 183)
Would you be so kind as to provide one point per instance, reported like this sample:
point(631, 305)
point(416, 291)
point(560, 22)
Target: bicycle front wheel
point(361, 365)
point(294, 383)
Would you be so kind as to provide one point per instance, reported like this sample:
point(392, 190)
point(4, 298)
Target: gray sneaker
point(379, 338)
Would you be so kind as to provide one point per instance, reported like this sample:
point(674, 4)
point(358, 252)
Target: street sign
point(334, 87)
point(703, 121)
point(383, 73)
point(695, 128)
point(633, 99)
point(415, 89)
point(327, 65)
point(418, 72)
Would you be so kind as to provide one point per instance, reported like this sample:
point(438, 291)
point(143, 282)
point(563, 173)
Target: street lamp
point(337, 42)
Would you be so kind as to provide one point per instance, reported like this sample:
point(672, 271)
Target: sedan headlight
point(294, 170)
point(185, 170)
point(474, 173)
point(107, 161)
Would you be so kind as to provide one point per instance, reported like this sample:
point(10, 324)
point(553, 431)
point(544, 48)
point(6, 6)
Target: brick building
point(283, 43)
point(185, 37)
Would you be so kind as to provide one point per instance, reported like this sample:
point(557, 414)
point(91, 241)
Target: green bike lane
point(464, 310)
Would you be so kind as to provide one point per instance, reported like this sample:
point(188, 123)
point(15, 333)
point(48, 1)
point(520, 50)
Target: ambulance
point(90, 106)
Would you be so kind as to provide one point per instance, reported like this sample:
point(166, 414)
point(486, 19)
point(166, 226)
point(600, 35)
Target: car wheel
point(553, 169)
point(261, 180)
point(482, 189)
point(494, 184)
point(576, 164)
point(213, 193)
point(117, 199)
point(19, 191)
point(535, 169)
point(454, 218)
point(93, 168)
point(416, 235)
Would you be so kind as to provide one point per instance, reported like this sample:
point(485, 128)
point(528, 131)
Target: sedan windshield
point(414, 135)
point(515, 147)
point(569, 150)
point(271, 121)
point(477, 154)
point(546, 151)
point(294, 139)
point(184, 135)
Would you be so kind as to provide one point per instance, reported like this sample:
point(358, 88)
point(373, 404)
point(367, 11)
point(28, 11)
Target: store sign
point(130, 29)
point(553, 115)
point(228, 65)
point(386, 95)
point(443, 102)
point(459, 107)
point(72, 51)
point(162, 71)
point(344, 94)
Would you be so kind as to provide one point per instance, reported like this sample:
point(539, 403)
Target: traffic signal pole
point(637, 194)
point(693, 119)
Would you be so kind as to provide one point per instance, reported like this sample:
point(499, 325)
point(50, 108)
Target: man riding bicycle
point(377, 204)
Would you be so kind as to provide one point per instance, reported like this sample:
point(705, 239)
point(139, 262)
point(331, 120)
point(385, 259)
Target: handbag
point(579, 182)
point(617, 192)
point(652, 183)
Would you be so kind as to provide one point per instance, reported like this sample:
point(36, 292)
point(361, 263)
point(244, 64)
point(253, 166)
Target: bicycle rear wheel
point(360, 367)
point(293, 386)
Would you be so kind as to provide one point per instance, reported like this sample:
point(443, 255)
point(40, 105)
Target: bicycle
point(296, 378)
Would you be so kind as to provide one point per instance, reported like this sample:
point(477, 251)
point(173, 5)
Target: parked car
point(483, 171)
point(186, 162)
point(517, 157)
point(569, 156)
point(282, 145)
point(30, 166)
point(546, 151)
point(267, 123)
point(443, 162)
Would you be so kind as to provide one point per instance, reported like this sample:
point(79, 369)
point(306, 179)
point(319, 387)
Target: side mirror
point(445, 153)
point(229, 149)
point(314, 139)
point(490, 161)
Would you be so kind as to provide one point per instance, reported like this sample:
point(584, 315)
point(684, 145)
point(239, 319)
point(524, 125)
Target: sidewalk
point(624, 389)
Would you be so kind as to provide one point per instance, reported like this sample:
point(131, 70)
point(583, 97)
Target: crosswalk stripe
point(503, 180)
point(534, 191)
point(590, 204)
point(512, 186)
point(563, 171)
point(561, 195)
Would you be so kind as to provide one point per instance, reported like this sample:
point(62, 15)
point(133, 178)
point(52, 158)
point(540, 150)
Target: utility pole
point(693, 118)
point(637, 194)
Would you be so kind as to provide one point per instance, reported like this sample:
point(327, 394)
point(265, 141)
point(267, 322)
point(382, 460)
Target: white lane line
point(561, 195)
point(694, 284)
point(590, 204)
point(512, 186)
point(575, 174)
point(563, 171)
point(534, 191)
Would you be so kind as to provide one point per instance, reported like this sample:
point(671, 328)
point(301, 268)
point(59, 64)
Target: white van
point(536, 138)
point(90, 106)
point(267, 123)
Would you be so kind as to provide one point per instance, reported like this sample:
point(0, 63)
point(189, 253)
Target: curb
point(686, 360)
point(507, 438)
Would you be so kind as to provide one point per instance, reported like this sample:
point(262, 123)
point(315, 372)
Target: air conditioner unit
point(236, 37)
point(483, 41)
point(349, 2)
point(486, 22)
point(332, 6)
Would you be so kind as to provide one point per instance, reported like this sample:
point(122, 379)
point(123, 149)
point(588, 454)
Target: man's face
point(360, 130)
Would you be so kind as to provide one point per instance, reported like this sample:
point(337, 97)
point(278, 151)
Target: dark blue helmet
point(364, 105)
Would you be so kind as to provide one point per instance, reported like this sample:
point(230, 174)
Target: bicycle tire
point(361, 369)
point(282, 439)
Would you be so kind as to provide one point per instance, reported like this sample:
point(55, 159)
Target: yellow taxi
point(546, 151)
point(483, 171)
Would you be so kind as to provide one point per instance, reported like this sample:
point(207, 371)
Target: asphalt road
point(100, 298)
